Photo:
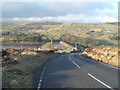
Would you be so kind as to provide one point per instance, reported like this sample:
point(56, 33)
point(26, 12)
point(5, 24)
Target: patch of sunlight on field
point(1, 39)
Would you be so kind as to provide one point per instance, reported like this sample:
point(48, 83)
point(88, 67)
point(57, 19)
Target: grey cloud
point(30, 9)
point(59, 11)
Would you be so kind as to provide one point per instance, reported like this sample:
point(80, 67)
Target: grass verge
point(20, 75)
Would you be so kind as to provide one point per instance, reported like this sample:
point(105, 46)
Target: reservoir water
point(28, 46)
point(22, 46)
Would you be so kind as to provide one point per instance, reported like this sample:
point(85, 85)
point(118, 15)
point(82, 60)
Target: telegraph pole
point(51, 41)
point(51, 44)
point(81, 49)
point(76, 47)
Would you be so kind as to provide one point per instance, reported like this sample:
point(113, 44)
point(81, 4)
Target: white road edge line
point(40, 81)
point(104, 64)
point(74, 62)
point(109, 65)
point(100, 81)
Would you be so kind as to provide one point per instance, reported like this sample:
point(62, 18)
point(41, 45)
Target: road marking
point(109, 65)
point(70, 58)
point(40, 81)
point(100, 81)
point(74, 62)
point(102, 63)
point(75, 58)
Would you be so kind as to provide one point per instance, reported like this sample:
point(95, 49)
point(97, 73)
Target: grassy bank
point(19, 74)
point(48, 46)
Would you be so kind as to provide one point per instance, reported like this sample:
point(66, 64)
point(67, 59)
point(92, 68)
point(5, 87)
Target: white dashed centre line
point(100, 81)
point(74, 62)
point(70, 58)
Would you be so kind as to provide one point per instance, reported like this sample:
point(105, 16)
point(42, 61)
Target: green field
point(103, 33)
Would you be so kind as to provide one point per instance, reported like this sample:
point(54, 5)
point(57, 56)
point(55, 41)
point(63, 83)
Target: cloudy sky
point(83, 12)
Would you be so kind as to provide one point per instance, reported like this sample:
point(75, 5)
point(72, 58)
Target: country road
point(75, 71)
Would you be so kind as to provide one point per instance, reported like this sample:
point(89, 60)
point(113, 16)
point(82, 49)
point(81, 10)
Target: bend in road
point(69, 71)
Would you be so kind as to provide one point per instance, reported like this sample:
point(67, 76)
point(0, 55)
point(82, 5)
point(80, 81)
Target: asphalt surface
point(75, 71)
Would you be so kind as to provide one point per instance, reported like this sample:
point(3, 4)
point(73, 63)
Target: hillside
point(100, 33)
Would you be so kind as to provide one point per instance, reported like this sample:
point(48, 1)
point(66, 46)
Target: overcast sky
point(83, 12)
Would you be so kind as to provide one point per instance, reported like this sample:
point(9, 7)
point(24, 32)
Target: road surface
point(75, 71)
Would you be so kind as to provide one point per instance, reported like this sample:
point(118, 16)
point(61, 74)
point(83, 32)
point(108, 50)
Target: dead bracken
point(104, 54)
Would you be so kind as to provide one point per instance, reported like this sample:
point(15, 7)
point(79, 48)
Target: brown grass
point(48, 46)
point(20, 75)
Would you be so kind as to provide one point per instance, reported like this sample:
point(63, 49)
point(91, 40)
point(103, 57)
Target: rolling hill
point(88, 34)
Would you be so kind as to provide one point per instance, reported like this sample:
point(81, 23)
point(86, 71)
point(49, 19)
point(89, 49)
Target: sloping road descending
point(75, 71)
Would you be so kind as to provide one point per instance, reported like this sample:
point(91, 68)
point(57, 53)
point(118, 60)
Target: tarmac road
point(75, 71)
